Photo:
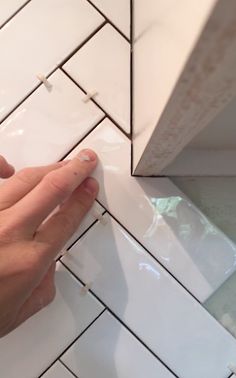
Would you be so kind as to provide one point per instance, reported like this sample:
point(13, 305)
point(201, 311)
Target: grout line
point(108, 20)
point(14, 14)
point(84, 137)
point(153, 176)
point(86, 40)
point(120, 321)
point(65, 366)
point(155, 258)
point(52, 72)
point(132, 81)
point(74, 341)
point(85, 232)
point(95, 102)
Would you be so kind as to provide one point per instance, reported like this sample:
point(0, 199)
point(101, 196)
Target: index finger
point(53, 190)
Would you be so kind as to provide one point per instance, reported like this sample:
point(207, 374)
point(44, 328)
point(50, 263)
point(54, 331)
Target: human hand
point(30, 240)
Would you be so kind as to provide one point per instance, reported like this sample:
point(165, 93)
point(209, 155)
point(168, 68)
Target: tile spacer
point(89, 96)
point(98, 216)
point(45, 81)
point(232, 368)
point(62, 253)
point(85, 289)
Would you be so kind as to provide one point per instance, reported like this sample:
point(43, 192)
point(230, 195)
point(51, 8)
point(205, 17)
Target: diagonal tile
point(36, 40)
point(161, 217)
point(141, 293)
point(117, 11)
point(94, 214)
point(107, 349)
point(8, 8)
point(102, 65)
point(58, 371)
point(48, 124)
point(40, 340)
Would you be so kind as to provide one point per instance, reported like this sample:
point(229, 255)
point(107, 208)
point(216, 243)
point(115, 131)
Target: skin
point(30, 239)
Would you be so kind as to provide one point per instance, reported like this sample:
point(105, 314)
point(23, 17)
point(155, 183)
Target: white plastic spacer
point(62, 253)
point(85, 289)
point(98, 216)
point(45, 81)
point(89, 95)
point(232, 368)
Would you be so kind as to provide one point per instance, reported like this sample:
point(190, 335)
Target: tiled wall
point(148, 256)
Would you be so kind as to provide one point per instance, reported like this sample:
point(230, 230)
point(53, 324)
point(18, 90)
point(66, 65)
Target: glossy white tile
point(103, 66)
point(108, 349)
point(117, 11)
point(8, 8)
point(94, 214)
point(37, 40)
point(58, 371)
point(30, 349)
point(161, 217)
point(48, 124)
point(143, 295)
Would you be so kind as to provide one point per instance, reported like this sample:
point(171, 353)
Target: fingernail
point(91, 186)
point(87, 155)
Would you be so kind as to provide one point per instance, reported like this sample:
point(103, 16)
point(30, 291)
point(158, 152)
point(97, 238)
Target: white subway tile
point(31, 348)
point(160, 216)
point(103, 66)
point(37, 40)
point(48, 124)
point(108, 349)
point(151, 303)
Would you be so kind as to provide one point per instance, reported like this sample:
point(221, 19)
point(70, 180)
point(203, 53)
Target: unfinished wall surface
point(164, 36)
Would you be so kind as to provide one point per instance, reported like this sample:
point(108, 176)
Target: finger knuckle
point(8, 231)
point(26, 175)
point(67, 222)
point(57, 183)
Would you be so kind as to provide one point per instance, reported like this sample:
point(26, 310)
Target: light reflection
point(135, 245)
point(15, 116)
point(2, 109)
point(15, 133)
point(149, 268)
point(112, 168)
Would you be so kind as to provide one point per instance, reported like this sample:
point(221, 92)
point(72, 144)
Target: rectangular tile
point(108, 350)
point(8, 8)
point(95, 213)
point(141, 293)
point(58, 371)
point(39, 38)
point(48, 124)
point(30, 349)
point(160, 216)
point(117, 11)
point(103, 66)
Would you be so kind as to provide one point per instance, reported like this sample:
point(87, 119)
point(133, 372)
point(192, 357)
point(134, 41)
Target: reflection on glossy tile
point(141, 293)
point(94, 214)
point(102, 65)
point(39, 341)
point(58, 371)
point(8, 8)
point(117, 11)
point(222, 304)
point(47, 125)
point(37, 40)
point(108, 350)
point(161, 217)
